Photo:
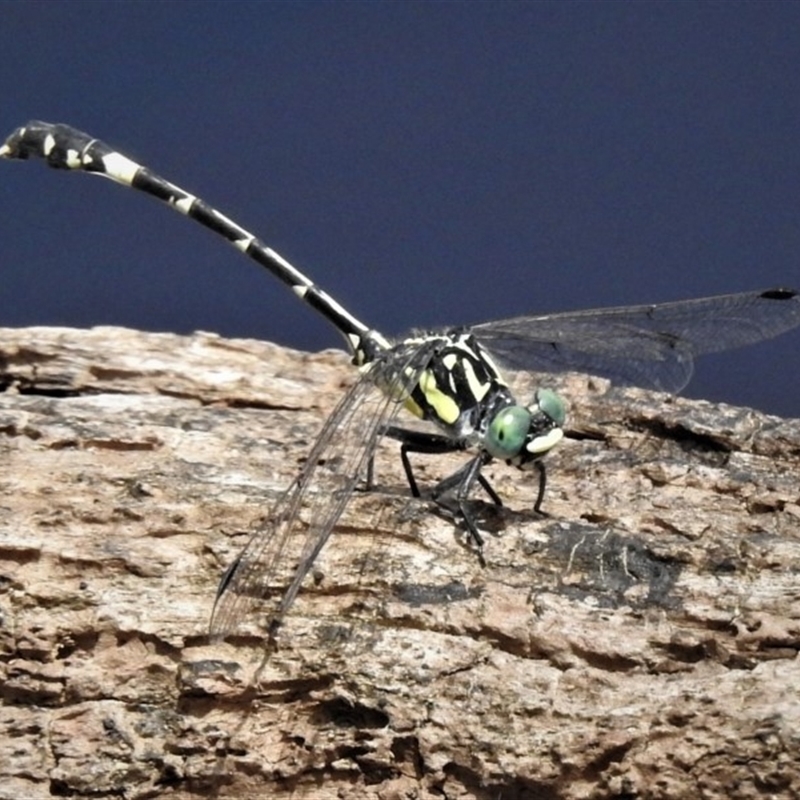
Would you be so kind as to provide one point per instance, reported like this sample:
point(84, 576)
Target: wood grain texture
point(639, 641)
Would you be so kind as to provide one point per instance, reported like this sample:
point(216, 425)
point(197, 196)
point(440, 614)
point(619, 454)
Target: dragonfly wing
point(280, 554)
point(647, 345)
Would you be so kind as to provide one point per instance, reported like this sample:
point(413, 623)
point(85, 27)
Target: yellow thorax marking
point(444, 406)
point(478, 389)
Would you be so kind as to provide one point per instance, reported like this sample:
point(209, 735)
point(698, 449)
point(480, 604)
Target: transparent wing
point(648, 345)
point(280, 554)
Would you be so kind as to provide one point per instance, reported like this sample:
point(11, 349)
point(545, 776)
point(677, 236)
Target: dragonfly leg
point(463, 480)
point(537, 506)
point(431, 444)
point(487, 487)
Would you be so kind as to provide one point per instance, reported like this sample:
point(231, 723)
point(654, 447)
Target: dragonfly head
point(520, 435)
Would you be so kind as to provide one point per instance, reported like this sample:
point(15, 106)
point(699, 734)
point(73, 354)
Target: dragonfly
point(448, 378)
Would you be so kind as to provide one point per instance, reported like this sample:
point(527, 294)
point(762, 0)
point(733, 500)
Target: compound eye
point(507, 432)
point(552, 405)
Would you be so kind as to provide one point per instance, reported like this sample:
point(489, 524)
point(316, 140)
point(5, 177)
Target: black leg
point(537, 506)
point(411, 442)
point(433, 444)
point(487, 487)
point(468, 475)
point(430, 444)
point(462, 481)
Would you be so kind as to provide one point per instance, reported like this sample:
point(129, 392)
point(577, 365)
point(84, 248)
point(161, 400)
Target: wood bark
point(638, 641)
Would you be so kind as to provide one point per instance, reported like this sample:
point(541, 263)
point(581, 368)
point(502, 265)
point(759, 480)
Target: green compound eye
point(552, 405)
point(507, 432)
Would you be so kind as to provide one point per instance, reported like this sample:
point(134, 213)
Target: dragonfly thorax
point(462, 391)
point(459, 386)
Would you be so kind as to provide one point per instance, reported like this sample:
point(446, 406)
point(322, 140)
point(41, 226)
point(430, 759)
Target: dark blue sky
point(426, 163)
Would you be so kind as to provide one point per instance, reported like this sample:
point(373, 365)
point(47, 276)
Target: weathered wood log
point(638, 641)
